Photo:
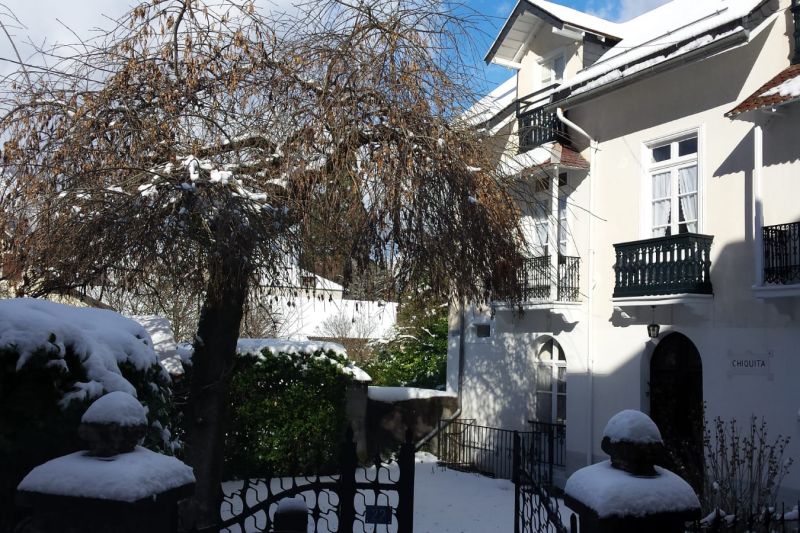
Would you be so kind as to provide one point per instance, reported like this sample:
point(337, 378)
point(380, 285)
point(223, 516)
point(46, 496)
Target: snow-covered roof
point(780, 90)
point(542, 157)
point(666, 32)
point(529, 16)
point(161, 334)
point(493, 103)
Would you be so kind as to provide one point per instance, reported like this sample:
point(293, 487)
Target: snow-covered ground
point(445, 501)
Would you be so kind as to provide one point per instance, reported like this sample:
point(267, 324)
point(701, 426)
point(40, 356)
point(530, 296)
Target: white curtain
point(662, 203)
point(687, 185)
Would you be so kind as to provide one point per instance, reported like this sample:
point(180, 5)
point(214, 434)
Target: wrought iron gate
point(379, 498)
point(535, 508)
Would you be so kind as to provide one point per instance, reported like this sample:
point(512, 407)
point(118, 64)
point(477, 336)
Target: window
point(536, 225)
point(673, 176)
point(553, 69)
point(551, 383)
point(483, 331)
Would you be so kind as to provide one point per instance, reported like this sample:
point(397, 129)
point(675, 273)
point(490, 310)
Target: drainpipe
point(758, 209)
point(590, 291)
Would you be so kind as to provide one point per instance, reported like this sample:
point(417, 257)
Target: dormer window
point(553, 69)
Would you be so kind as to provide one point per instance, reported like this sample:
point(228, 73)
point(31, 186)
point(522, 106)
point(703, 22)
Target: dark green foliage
point(35, 425)
point(417, 356)
point(287, 414)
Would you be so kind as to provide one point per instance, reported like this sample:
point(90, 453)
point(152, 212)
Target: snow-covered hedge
point(54, 360)
point(288, 407)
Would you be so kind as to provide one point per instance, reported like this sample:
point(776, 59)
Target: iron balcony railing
point(537, 279)
point(537, 126)
point(782, 253)
point(678, 264)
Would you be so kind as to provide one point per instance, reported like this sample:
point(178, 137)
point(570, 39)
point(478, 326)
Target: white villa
point(664, 163)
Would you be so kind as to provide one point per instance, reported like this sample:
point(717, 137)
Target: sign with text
point(750, 364)
point(378, 514)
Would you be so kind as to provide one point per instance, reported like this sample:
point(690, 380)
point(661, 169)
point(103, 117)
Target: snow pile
point(289, 348)
point(790, 87)
point(116, 408)
point(126, 477)
point(611, 492)
point(288, 505)
point(399, 394)
point(631, 425)
point(101, 339)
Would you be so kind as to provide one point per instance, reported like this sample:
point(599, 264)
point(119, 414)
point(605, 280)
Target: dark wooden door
point(676, 405)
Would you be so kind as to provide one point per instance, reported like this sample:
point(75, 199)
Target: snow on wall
point(102, 339)
point(126, 477)
point(611, 492)
point(398, 394)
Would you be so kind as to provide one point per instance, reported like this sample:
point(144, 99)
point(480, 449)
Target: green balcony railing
point(537, 279)
point(678, 264)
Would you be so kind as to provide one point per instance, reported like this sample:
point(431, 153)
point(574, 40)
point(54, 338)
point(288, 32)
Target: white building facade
point(664, 162)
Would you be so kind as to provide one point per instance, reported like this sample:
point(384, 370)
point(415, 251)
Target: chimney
point(796, 13)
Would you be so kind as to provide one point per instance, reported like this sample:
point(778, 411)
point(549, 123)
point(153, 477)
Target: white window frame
point(650, 168)
point(553, 365)
point(547, 66)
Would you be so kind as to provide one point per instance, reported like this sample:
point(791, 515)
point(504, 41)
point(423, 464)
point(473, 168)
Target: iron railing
point(678, 264)
point(536, 507)
point(538, 127)
point(782, 253)
point(490, 451)
point(537, 283)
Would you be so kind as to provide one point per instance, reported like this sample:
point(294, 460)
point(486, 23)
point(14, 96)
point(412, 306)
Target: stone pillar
point(629, 494)
point(115, 486)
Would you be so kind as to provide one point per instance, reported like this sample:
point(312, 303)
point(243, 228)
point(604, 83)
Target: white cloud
point(53, 21)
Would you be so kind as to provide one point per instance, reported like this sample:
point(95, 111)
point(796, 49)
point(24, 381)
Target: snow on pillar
point(115, 485)
point(629, 493)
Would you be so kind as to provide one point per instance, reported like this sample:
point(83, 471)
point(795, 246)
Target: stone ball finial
point(633, 442)
point(113, 424)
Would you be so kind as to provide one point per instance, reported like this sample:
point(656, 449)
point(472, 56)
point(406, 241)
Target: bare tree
point(196, 144)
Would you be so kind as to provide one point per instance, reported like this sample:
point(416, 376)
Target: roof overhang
point(523, 22)
point(768, 98)
point(566, 100)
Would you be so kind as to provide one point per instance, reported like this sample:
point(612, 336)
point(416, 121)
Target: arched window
point(551, 383)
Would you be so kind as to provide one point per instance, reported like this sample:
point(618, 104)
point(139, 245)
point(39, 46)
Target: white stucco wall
point(498, 375)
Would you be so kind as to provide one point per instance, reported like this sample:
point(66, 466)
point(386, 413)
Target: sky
point(53, 21)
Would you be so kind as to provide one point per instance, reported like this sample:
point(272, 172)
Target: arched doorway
point(676, 405)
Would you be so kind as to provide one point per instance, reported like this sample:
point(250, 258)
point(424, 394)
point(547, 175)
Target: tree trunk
point(213, 359)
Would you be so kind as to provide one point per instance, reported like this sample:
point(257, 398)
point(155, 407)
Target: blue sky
point(496, 12)
point(47, 20)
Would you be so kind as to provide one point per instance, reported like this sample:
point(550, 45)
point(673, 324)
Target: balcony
point(538, 127)
point(538, 283)
point(782, 254)
point(664, 266)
